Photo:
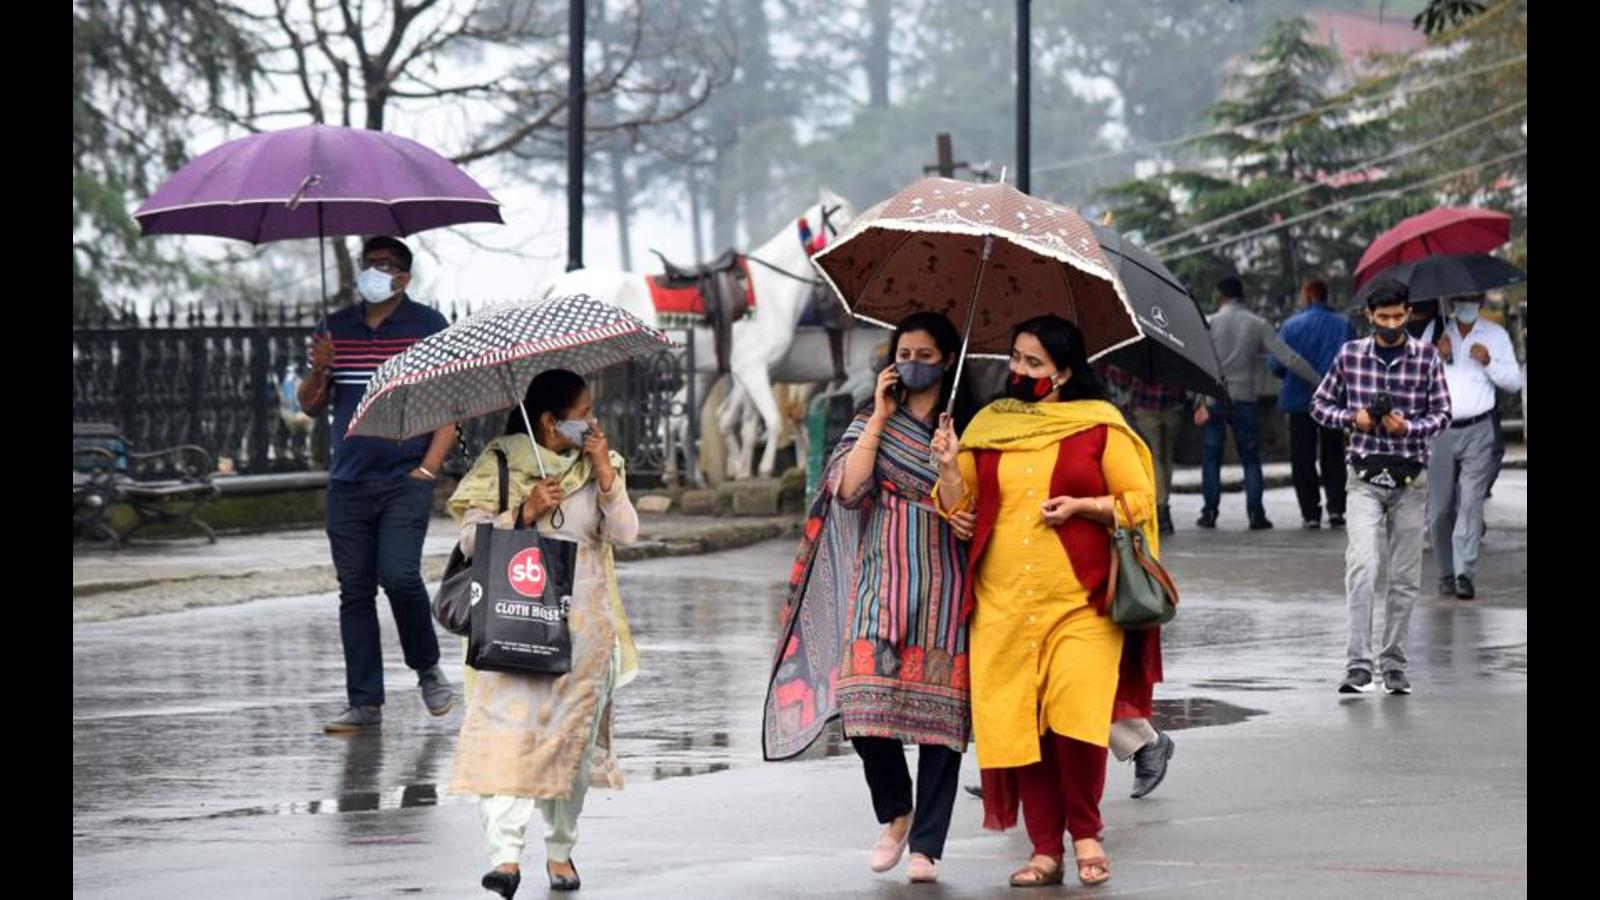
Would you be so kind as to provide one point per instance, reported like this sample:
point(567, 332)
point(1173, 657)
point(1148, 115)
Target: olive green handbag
point(1142, 593)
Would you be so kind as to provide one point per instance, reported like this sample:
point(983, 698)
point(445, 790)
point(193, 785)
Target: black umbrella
point(1447, 276)
point(1177, 348)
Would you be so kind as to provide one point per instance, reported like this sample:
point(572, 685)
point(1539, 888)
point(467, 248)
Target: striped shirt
point(1416, 386)
point(358, 351)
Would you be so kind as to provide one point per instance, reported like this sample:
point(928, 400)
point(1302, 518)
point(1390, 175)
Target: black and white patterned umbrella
point(483, 363)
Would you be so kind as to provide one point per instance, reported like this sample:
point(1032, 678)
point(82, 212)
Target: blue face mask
point(919, 376)
point(375, 286)
point(574, 430)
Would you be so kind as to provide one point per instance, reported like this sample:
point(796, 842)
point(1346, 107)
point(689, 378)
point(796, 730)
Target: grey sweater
point(1242, 338)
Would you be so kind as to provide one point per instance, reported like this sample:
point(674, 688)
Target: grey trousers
point(1462, 463)
point(1384, 529)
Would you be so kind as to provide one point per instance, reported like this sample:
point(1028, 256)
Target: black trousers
point(1309, 445)
point(938, 770)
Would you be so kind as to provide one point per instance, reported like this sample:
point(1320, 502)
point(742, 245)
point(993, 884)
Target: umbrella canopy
point(924, 250)
point(1177, 348)
point(316, 180)
point(1433, 233)
point(483, 363)
point(1448, 276)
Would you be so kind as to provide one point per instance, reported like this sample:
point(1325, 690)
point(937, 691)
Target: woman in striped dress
point(872, 631)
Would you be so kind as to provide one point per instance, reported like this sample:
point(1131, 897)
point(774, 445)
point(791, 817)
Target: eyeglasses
point(387, 267)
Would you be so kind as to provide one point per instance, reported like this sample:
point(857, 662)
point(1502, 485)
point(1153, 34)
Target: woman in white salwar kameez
point(537, 740)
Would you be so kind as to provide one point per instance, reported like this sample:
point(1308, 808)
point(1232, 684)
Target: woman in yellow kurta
point(1046, 469)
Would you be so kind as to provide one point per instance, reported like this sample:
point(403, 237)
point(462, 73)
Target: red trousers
point(1061, 793)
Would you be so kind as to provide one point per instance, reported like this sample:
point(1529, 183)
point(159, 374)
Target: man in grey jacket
point(1242, 338)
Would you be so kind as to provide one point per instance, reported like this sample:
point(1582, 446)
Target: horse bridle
point(827, 223)
point(828, 228)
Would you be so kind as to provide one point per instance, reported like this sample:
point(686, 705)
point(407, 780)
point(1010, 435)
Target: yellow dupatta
point(1008, 424)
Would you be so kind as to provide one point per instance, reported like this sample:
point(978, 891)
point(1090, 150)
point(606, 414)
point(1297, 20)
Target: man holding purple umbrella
point(380, 492)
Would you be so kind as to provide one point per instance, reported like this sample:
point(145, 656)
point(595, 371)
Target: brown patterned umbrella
point(924, 250)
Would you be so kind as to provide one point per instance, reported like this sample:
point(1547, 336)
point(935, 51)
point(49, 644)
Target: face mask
point(1417, 327)
point(375, 286)
point(1466, 312)
point(919, 376)
point(1029, 390)
point(1389, 336)
point(574, 430)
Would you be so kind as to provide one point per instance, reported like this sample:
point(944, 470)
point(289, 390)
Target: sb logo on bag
point(526, 573)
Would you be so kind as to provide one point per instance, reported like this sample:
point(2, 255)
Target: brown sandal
point(1031, 875)
point(1094, 862)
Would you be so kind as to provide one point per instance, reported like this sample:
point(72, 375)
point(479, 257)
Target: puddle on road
point(1198, 712)
point(1167, 715)
point(407, 797)
point(1240, 684)
point(1513, 658)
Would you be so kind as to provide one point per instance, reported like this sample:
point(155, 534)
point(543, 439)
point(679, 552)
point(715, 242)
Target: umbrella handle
point(966, 330)
point(537, 457)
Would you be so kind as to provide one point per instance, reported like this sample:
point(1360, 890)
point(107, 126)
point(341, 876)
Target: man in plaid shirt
point(1389, 392)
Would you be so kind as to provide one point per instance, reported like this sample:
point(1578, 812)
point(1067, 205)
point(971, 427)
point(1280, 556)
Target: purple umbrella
point(316, 181)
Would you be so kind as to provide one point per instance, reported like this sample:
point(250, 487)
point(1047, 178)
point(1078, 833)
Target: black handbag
point(452, 605)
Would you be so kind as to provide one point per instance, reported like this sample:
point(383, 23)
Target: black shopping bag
point(520, 595)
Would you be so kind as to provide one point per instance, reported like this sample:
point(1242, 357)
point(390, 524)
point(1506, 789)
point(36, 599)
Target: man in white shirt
point(1478, 360)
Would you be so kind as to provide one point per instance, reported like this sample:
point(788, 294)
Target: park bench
point(165, 486)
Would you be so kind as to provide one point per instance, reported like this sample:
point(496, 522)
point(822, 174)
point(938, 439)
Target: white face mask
point(1466, 313)
point(574, 430)
point(375, 286)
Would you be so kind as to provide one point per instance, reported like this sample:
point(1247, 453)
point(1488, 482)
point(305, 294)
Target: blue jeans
point(376, 529)
point(1241, 417)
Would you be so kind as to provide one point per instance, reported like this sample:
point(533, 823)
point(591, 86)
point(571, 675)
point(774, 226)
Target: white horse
point(808, 361)
point(782, 277)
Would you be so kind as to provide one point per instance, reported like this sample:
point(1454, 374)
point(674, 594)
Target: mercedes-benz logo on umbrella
point(1157, 316)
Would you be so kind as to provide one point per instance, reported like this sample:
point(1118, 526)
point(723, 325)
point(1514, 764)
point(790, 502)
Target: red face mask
point(1030, 390)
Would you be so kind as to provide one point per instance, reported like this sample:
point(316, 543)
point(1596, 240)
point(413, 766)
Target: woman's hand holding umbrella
point(944, 448)
point(545, 496)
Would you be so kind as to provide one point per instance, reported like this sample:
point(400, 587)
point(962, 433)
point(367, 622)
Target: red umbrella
point(1435, 232)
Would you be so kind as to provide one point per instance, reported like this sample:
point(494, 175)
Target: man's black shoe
point(1356, 681)
point(1312, 524)
point(1464, 588)
point(1394, 682)
point(1150, 765)
point(1335, 520)
point(1261, 524)
point(1207, 519)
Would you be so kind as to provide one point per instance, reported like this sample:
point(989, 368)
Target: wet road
point(199, 767)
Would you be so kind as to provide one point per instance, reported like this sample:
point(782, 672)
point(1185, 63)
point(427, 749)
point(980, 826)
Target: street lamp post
point(1024, 91)
point(575, 104)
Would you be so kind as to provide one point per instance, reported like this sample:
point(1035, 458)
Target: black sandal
point(502, 883)
point(563, 882)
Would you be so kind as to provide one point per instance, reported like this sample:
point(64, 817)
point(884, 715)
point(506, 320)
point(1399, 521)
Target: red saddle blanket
point(686, 301)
